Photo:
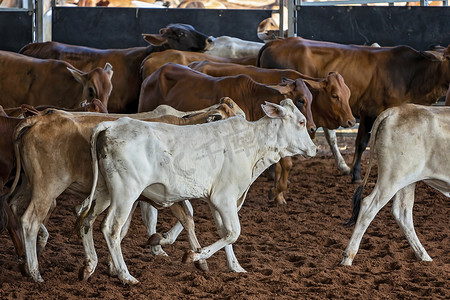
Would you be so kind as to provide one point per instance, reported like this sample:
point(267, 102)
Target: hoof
point(201, 265)
point(154, 239)
point(345, 170)
point(270, 194)
point(157, 251)
point(23, 269)
point(188, 257)
point(357, 181)
point(84, 274)
point(279, 200)
point(129, 281)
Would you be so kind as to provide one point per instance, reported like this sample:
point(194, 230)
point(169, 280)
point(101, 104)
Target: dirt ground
point(289, 252)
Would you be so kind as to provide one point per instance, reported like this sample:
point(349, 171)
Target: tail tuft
point(356, 206)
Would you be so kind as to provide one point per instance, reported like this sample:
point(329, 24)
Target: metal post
point(423, 2)
point(292, 18)
point(281, 33)
point(38, 19)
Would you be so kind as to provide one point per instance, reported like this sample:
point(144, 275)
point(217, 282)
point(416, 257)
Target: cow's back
point(173, 85)
point(125, 62)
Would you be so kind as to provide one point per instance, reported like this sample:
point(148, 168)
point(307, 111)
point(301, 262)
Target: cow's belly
point(440, 185)
point(165, 195)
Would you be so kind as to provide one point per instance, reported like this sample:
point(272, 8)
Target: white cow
point(227, 46)
point(169, 164)
point(412, 143)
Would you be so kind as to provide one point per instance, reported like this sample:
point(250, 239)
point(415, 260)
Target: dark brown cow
point(378, 78)
point(447, 98)
point(7, 164)
point(156, 60)
point(36, 81)
point(186, 89)
point(126, 62)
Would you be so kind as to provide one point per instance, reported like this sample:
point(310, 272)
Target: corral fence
point(337, 21)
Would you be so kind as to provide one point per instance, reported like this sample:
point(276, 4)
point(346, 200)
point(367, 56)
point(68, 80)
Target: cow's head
point(96, 83)
point(301, 96)
point(94, 106)
point(292, 136)
point(180, 37)
point(330, 106)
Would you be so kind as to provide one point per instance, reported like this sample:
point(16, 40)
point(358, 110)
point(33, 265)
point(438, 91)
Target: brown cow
point(126, 62)
point(379, 78)
point(156, 60)
point(47, 175)
point(26, 110)
point(173, 84)
point(330, 108)
point(46, 81)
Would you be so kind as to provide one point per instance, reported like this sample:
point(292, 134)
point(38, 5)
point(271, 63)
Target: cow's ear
point(314, 85)
point(287, 80)
point(447, 53)
point(78, 75)
point(273, 110)
point(109, 70)
point(213, 118)
point(154, 39)
point(227, 101)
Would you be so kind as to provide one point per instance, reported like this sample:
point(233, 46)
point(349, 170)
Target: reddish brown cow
point(126, 62)
point(47, 81)
point(156, 60)
point(379, 78)
point(172, 84)
point(330, 108)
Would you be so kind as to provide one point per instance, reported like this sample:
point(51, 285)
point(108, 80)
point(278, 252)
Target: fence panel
point(122, 27)
point(418, 27)
point(16, 29)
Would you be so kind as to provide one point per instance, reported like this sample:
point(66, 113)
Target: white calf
point(412, 143)
point(227, 46)
point(169, 164)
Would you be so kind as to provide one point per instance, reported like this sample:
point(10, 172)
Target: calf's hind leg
point(402, 208)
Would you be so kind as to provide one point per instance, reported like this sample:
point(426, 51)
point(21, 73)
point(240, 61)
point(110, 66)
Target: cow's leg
point(229, 229)
point(330, 135)
point(281, 184)
point(183, 212)
point(13, 229)
point(122, 200)
point(42, 238)
point(101, 203)
point(370, 206)
point(402, 208)
point(232, 262)
point(30, 221)
point(150, 217)
point(170, 236)
point(362, 139)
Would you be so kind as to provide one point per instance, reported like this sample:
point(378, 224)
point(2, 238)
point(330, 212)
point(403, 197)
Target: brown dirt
point(290, 251)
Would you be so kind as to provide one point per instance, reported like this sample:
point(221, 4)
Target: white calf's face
point(293, 135)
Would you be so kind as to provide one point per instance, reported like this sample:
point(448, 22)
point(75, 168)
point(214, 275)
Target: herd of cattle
point(169, 122)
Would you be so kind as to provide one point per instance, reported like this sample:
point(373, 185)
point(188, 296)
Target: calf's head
point(96, 83)
point(330, 107)
point(180, 37)
point(292, 137)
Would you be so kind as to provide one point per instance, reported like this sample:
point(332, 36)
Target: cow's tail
point(84, 210)
point(5, 210)
point(258, 59)
point(357, 196)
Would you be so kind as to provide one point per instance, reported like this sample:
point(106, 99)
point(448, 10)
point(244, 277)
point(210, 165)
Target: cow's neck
point(427, 87)
point(265, 140)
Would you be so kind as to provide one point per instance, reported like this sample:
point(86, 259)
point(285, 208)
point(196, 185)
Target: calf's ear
point(109, 70)
point(78, 75)
point(273, 110)
point(154, 39)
